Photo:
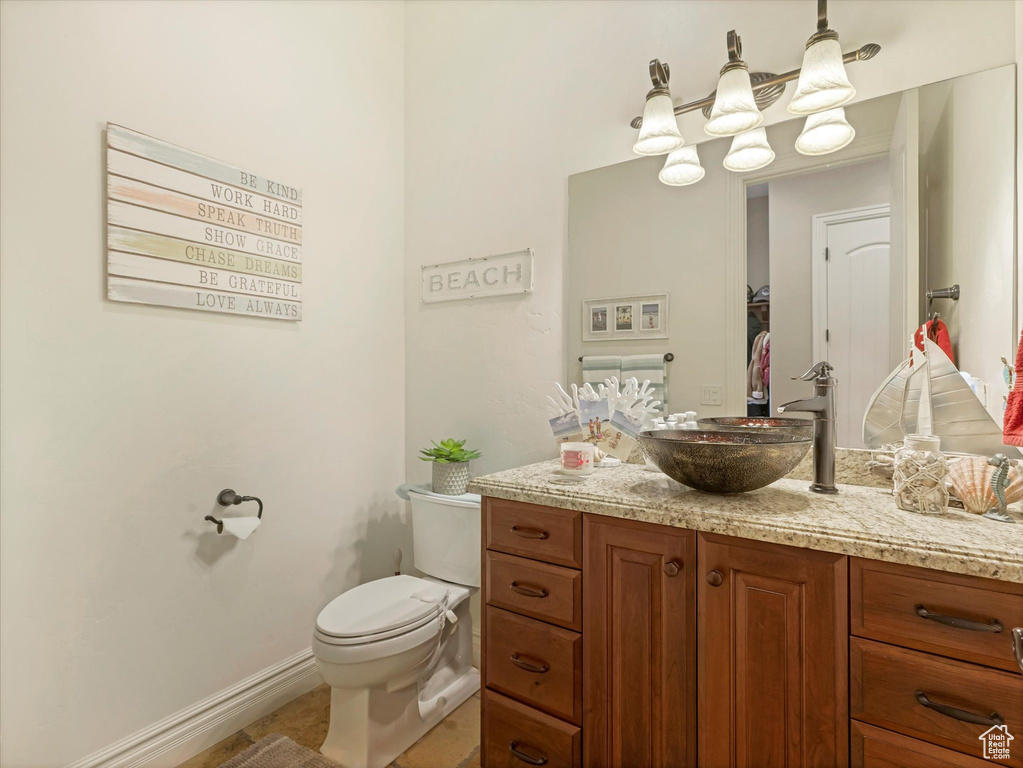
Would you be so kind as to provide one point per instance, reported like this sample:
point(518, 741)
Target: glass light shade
point(734, 109)
point(825, 132)
point(749, 151)
point(659, 133)
point(823, 83)
point(682, 167)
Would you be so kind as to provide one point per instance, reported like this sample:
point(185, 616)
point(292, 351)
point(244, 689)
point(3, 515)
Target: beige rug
point(276, 751)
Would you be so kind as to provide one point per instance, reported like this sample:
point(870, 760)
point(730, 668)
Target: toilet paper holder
point(226, 498)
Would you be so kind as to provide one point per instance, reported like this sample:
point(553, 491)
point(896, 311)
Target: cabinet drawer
point(546, 592)
point(876, 748)
point(511, 729)
point(535, 663)
point(958, 612)
point(886, 684)
point(540, 533)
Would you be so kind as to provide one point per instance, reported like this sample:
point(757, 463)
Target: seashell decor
point(971, 482)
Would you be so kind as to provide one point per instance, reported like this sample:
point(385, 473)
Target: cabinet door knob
point(715, 579)
point(671, 568)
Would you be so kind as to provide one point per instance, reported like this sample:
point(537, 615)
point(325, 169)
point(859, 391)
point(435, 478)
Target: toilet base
point(370, 727)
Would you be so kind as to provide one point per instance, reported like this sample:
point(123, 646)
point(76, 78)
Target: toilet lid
point(384, 605)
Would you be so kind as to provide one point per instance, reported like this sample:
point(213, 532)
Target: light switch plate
point(710, 394)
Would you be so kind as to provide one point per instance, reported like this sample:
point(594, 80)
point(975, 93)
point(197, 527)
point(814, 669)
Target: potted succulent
point(450, 465)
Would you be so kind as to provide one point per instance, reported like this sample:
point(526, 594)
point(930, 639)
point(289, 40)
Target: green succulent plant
point(449, 451)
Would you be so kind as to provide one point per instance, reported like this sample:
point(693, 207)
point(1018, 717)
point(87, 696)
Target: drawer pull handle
point(528, 591)
point(958, 622)
point(529, 533)
point(959, 714)
point(516, 749)
point(539, 669)
point(1017, 646)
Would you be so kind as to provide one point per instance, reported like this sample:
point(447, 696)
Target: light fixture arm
point(822, 15)
point(868, 51)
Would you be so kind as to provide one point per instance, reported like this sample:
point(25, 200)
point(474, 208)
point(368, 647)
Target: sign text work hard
point(185, 230)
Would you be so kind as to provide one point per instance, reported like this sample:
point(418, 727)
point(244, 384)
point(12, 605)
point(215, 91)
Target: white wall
point(758, 246)
point(505, 100)
point(628, 235)
point(121, 423)
point(794, 202)
point(967, 208)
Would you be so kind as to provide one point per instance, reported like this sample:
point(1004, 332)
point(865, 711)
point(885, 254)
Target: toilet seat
point(380, 609)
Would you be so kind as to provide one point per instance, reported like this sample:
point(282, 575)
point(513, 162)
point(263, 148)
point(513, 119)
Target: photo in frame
point(625, 318)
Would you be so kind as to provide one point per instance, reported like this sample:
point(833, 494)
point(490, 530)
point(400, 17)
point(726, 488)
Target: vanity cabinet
point(931, 666)
point(617, 643)
point(639, 657)
point(773, 639)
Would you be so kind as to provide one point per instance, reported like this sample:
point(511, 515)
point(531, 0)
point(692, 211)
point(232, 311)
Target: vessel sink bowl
point(719, 461)
point(770, 424)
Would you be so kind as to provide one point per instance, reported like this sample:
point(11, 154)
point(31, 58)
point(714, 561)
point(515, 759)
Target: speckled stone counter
point(859, 521)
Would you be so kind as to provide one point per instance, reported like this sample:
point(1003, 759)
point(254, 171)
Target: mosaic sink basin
point(719, 461)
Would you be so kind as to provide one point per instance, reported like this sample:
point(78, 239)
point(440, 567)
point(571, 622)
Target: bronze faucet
point(822, 406)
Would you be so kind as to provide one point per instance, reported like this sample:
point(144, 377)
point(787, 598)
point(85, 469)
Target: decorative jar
point(921, 473)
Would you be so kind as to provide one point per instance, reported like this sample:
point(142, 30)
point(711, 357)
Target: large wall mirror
point(838, 253)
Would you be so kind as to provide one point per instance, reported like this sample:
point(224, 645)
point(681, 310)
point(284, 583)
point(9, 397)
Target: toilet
point(398, 652)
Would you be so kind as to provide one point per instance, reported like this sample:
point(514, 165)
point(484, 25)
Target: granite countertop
point(859, 521)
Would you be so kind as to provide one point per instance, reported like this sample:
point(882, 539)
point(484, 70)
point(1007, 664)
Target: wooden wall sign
point(473, 278)
point(185, 230)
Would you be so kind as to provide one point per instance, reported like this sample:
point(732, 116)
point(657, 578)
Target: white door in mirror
point(857, 330)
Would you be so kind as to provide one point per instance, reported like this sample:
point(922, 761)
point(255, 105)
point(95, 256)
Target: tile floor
point(452, 744)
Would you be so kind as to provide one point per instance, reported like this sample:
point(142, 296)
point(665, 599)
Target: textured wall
point(121, 423)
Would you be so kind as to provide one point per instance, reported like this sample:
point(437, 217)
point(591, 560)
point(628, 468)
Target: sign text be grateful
point(474, 278)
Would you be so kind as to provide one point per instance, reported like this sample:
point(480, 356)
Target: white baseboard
point(185, 734)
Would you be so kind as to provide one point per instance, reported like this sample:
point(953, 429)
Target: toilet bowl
point(397, 652)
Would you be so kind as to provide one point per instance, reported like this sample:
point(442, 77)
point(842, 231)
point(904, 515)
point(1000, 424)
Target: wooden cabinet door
point(773, 655)
point(639, 694)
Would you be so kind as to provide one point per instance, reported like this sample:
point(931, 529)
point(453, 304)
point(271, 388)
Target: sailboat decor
point(927, 395)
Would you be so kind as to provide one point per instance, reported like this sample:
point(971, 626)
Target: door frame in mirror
point(787, 163)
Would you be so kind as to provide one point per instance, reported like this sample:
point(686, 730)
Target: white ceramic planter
point(450, 479)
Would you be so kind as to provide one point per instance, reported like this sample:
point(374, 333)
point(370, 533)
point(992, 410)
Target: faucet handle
point(819, 370)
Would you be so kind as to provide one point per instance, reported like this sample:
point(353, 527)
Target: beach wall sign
point(473, 278)
point(187, 231)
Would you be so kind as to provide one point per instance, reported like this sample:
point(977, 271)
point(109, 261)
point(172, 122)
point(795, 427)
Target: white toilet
point(397, 652)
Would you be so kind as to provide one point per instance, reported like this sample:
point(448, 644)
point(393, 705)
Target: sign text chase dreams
point(185, 230)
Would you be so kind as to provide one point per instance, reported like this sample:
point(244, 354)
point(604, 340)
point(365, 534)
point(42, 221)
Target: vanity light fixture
point(735, 110)
point(825, 132)
point(750, 152)
point(659, 133)
point(823, 83)
point(682, 167)
point(736, 107)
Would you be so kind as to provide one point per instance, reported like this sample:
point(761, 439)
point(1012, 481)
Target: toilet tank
point(446, 536)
